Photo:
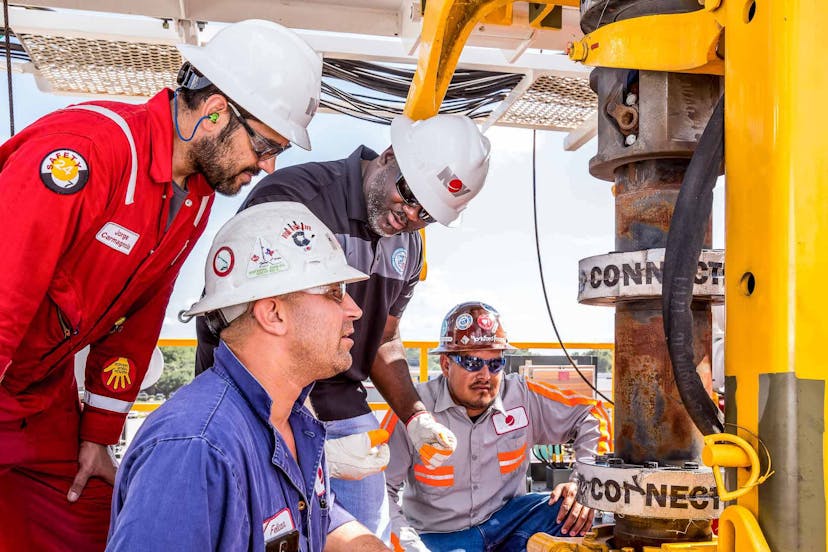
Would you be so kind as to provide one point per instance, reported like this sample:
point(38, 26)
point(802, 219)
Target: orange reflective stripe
point(511, 460)
point(442, 470)
point(395, 543)
point(433, 482)
point(437, 477)
point(389, 422)
point(512, 454)
point(573, 399)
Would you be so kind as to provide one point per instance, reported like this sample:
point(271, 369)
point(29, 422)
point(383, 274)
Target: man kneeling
point(477, 499)
point(235, 461)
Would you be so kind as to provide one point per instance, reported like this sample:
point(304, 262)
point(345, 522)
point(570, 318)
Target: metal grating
point(554, 103)
point(91, 66)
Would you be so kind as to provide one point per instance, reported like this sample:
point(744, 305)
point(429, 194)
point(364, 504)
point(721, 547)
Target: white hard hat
point(444, 160)
point(267, 250)
point(271, 72)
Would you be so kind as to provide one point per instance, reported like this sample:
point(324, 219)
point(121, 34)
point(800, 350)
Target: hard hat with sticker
point(64, 171)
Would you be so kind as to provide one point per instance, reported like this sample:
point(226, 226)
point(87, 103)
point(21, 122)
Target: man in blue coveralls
point(235, 461)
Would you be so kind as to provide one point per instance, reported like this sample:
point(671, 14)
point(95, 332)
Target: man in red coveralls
point(101, 203)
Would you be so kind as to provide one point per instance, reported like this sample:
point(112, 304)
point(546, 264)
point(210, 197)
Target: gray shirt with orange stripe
point(489, 466)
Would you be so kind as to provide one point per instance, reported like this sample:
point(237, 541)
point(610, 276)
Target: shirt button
point(301, 505)
point(474, 457)
point(188, 203)
point(475, 487)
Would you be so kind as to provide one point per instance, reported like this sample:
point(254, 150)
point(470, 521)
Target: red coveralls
point(86, 259)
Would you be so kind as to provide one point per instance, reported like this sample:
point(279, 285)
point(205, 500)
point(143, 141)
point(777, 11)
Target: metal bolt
point(651, 464)
point(631, 99)
point(201, 25)
point(615, 461)
point(691, 465)
point(630, 139)
point(165, 23)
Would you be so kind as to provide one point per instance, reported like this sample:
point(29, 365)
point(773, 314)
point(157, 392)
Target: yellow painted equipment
point(776, 236)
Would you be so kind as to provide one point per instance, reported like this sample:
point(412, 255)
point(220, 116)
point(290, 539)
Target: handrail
point(423, 346)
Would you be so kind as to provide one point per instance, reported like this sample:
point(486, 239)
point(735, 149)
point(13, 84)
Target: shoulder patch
point(119, 374)
point(64, 171)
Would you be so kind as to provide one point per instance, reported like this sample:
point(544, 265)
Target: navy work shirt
point(333, 191)
point(207, 471)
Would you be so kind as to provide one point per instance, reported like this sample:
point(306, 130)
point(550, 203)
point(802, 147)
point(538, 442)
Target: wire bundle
point(347, 87)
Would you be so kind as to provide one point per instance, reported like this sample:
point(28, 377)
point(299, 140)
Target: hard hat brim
point(219, 76)
point(345, 274)
point(404, 148)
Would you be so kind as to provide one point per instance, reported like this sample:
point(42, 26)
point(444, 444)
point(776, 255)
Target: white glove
point(408, 541)
point(358, 456)
point(432, 440)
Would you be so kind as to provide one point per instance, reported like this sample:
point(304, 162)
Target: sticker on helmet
point(223, 261)
point(464, 321)
point(452, 183)
point(444, 327)
point(64, 171)
point(465, 339)
point(118, 374)
point(398, 259)
point(264, 260)
point(485, 322)
point(300, 233)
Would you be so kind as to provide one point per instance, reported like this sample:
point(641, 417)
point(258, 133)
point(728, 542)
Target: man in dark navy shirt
point(375, 204)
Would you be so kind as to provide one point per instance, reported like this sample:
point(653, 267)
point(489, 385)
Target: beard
point(212, 159)
point(377, 203)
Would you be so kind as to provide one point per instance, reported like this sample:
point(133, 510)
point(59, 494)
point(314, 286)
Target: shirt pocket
point(511, 454)
point(435, 481)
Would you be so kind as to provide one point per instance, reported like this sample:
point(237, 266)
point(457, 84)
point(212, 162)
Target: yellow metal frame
point(680, 43)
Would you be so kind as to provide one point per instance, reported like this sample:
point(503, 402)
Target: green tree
point(604, 359)
point(179, 367)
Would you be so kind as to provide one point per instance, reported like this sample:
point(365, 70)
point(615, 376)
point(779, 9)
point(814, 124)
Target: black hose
point(684, 245)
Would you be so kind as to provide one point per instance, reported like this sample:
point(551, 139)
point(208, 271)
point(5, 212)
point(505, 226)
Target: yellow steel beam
point(447, 25)
point(776, 210)
point(679, 43)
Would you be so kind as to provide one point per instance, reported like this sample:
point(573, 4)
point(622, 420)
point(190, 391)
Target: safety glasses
point(335, 292)
point(475, 364)
point(408, 197)
point(262, 147)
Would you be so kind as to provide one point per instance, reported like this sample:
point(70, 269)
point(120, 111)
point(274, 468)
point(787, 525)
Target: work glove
point(358, 456)
point(407, 541)
point(433, 441)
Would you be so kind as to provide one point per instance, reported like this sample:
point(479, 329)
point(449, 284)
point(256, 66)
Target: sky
point(491, 257)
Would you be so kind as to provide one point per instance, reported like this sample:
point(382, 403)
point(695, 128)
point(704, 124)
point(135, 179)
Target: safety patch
point(452, 183)
point(119, 374)
point(278, 525)
point(117, 237)
point(319, 485)
point(300, 234)
point(264, 260)
point(486, 322)
point(463, 322)
point(398, 259)
point(514, 419)
point(64, 171)
point(223, 261)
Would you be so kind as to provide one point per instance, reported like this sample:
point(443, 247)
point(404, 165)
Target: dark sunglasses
point(262, 147)
point(475, 364)
point(408, 197)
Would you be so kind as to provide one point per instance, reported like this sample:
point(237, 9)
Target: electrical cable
point(681, 256)
point(540, 271)
point(8, 65)
point(380, 91)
